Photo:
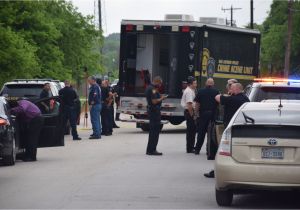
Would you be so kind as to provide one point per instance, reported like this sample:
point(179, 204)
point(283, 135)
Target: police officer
point(45, 93)
point(231, 103)
point(187, 102)
point(206, 107)
point(105, 112)
point(69, 97)
point(154, 100)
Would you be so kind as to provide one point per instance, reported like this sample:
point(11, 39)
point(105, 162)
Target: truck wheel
point(145, 127)
point(10, 159)
point(224, 198)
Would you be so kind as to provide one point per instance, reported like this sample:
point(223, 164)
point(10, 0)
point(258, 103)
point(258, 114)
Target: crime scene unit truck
point(174, 49)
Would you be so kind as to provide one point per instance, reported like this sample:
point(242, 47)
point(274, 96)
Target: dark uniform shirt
point(94, 95)
point(206, 98)
point(68, 96)
point(44, 94)
point(232, 104)
point(152, 93)
point(104, 93)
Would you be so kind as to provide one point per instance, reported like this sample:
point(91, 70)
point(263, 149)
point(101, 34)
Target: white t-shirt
point(187, 97)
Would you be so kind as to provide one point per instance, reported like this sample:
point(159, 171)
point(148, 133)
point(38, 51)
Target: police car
point(273, 88)
point(259, 150)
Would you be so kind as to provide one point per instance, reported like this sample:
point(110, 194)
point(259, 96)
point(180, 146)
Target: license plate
point(272, 153)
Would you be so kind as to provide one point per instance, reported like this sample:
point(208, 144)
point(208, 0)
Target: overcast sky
point(115, 10)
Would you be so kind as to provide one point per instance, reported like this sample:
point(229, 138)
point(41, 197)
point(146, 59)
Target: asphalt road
point(114, 172)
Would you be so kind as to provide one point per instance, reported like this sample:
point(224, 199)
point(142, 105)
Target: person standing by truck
point(206, 108)
point(31, 119)
point(95, 107)
point(69, 97)
point(154, 100)
point(187, 102)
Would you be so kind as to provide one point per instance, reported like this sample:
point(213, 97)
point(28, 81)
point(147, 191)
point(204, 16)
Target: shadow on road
point(268, 200)
point(164, 131)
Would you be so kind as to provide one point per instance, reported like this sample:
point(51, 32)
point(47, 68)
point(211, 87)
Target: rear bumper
point(233, 175)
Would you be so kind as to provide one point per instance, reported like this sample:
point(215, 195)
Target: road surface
point(114, 172)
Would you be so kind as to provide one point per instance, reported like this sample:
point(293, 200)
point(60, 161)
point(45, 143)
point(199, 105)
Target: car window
point(289, 93)
point(24, 90)
point(49, 107)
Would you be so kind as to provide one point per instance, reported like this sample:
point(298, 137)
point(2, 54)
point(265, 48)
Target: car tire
point(224, 197)
point(9, 160)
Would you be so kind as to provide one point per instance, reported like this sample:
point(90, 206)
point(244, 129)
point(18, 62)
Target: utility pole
point(289, 37)
point(231, 13)
point(251, 14)
point(100, 15)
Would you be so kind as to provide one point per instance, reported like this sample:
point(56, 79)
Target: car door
point(52, 133)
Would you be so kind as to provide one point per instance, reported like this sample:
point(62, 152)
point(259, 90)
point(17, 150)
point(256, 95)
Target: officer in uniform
point(69, 97)
point(231, 103)
point(187, 102)
point(154, 100)
point(206, 107)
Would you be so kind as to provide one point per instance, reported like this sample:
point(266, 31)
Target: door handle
point(123, 66)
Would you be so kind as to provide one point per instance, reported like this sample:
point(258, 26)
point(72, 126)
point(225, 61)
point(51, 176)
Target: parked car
point(12, 137)
point(7, 135)
point(272, 88)
point(259, 150)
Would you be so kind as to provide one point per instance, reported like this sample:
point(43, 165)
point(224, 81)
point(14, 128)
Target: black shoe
point(77, 139)
point(197, 152)
point(211, 174)
point(115, 126)
point(107, 134)
point(28, 159)
point(154, 153)
point(92, 135)
point(95, 137)
point(190, 151)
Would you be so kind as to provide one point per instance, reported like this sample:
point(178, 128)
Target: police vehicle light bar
point(276, 80)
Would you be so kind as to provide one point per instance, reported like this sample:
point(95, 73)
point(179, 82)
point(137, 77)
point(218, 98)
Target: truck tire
point(145, 127)
point(224, 197)
point(9, 160)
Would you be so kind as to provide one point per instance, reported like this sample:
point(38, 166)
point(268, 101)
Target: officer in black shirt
point(233, 102)
point(206, 106)
point(105, 112)
point(154, 100)
point(45, 94)
point(69, 96)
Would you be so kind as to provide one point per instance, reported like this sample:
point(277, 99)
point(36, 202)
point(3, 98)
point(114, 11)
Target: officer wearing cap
point(154, 100)
point(206, 107)
point(187, 102)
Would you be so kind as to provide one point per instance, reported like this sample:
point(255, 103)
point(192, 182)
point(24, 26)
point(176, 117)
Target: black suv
point(29, 88)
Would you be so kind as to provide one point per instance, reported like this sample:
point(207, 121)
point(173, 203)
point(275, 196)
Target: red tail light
point(185, 29)
point(3, 122)
point(129, 27)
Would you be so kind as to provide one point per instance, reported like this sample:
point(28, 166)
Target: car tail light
point(225, 144)
point(185, 29)
point(3, 122)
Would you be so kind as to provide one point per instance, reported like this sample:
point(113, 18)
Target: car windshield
point(290, 93)
point(24, 90)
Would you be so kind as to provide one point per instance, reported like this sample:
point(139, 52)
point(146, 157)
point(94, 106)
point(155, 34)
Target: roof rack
point(29, 80)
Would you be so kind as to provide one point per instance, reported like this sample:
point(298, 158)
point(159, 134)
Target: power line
point(231, 13)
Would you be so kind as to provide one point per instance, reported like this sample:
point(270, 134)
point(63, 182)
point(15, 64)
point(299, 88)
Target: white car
point(260, 149)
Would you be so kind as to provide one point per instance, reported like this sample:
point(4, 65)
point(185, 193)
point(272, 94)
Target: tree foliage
point(46, 39)
point(274, 36)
